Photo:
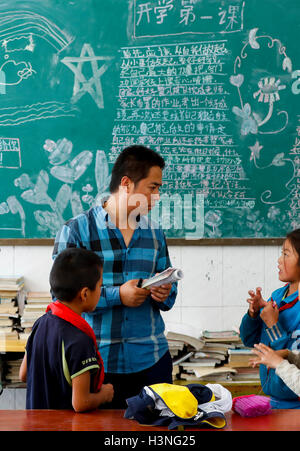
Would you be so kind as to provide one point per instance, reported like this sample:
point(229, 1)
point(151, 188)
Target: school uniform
point(58, 350)
point(283, 335)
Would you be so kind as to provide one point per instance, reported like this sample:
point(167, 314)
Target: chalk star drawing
point(82, 85)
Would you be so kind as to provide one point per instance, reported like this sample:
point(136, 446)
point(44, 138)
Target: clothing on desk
point(283, 335)
point(130, 339)
point(56, 352)
point(174, 406)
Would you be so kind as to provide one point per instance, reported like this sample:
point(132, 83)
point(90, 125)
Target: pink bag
point(251, 405)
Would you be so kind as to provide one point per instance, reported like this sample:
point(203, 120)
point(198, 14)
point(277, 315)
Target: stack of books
point(209, 355)
point(35, 306)
point(239, 359)
point(11, 371)
point(8, 319)
point(223, 336)
point(11, 288)
point(183, 342)
point(208, 364)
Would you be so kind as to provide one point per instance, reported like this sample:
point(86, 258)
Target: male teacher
point(127, 320)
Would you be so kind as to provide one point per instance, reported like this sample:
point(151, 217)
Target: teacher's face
point(146, 192)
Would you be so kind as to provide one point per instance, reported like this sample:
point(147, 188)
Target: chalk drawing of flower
point(249, 124)
point(274, 213)
point(213, 219)
point(255, 150)
point(268, 90)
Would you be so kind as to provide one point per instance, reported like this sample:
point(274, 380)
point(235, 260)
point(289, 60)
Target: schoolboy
point(62, 365)
point(127, 320)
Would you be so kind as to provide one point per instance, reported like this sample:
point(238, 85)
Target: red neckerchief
point(64, 312)
point(288, 304)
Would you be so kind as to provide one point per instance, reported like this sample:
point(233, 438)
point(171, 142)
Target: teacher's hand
point(131, 295)
point(160, 294)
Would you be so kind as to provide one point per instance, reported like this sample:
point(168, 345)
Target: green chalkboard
point(212, 85)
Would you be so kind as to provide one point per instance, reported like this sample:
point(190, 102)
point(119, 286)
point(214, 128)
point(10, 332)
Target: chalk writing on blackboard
point(10, 153)
point(175, 17)
point(173, 98)
point(213, 86)
point(294, 212)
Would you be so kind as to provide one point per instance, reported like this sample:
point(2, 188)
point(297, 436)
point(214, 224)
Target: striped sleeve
point(274, 332)
point(278, 336)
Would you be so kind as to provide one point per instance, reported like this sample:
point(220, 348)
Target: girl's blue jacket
point(285, 334)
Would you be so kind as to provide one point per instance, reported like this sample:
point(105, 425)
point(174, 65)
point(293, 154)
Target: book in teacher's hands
point(169, 275)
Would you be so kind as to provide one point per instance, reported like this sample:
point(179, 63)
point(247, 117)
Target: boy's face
point(93, 296)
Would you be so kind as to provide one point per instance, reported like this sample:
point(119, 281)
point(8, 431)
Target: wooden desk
point(112, 420)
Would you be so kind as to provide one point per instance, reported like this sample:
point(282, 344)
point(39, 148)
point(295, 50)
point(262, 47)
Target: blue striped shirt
point(130, 339)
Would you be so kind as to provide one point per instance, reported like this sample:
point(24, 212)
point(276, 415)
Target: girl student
point(276, 323)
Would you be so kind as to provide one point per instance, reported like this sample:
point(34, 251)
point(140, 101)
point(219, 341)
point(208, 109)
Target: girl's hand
point(255, 302)
point(266, 356)
point(270, 314)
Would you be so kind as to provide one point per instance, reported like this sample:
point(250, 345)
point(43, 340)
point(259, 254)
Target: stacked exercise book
point(35, 306)
point(11, 370)
point(209, 355)
point(183, 342)
point(239, 360)
point(237, 355)
point(12, 296)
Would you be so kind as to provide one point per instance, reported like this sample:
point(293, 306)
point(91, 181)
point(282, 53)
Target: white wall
point(214, 290)
point(211, 296)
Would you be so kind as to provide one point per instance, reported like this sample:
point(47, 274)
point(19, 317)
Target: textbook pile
point(217, 356)
point(239, 360)
point(236, 354)
point(11, 298)
point(35, 306)
point(11, 371)
point(183, 342)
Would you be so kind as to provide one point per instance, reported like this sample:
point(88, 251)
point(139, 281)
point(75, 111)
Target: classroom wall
point(211, 296)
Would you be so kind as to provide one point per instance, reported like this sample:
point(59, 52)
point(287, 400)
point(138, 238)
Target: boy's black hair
point(294, 238)
point(134, 162)
point(73, 269)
